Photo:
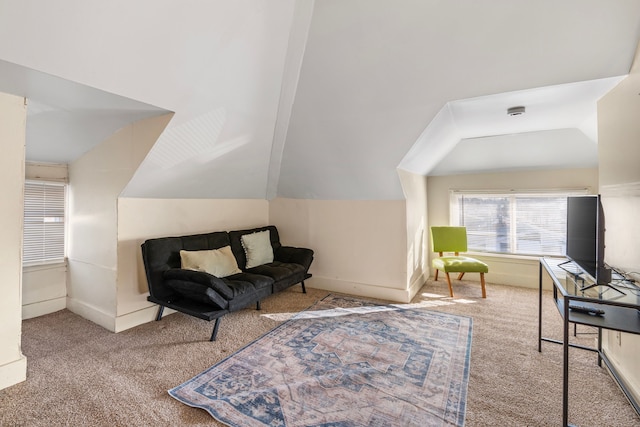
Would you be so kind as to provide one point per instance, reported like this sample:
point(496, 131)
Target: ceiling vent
point(515, 111)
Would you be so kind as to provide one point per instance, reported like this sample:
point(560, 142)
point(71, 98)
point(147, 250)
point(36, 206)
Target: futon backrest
point(163, 253)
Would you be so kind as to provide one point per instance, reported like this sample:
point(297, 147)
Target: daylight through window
point(523, 223)
point(44, 222)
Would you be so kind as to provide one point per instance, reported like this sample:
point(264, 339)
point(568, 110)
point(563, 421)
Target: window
point(44, 222)
point(523, 223)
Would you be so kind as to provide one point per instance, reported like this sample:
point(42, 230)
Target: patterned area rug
point(343, 362)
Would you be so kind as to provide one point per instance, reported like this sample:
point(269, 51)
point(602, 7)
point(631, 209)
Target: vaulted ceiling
point(317, 99)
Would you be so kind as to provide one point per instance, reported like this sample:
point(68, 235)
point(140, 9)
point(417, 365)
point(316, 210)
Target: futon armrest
point(289, 254)
point(201, 278)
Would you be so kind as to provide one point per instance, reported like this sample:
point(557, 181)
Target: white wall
point(44, 289)
point(414, 187)
point(13, 365)
point(508, 270)
point(95, 182)
point(360, 246)
point(141, 219)
point(619, 153)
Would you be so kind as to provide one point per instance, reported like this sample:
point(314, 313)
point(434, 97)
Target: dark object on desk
point(585, 236)
point(585, 309)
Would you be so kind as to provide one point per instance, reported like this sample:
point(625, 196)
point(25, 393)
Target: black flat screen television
point(585, 236)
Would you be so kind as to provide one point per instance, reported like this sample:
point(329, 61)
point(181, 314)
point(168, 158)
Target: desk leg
point(600, 347)
point(565, 366)
point(540, 308)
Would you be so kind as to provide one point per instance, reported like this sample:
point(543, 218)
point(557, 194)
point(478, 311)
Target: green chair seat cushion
point(459, 264)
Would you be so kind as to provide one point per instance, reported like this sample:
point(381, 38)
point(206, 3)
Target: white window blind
point(523, 223)
point(44, 222)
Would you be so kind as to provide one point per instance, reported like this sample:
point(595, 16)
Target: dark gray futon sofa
point(208, 297)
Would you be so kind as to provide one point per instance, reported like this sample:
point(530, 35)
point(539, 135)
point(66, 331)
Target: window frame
point(512, 194)
point(30, 261)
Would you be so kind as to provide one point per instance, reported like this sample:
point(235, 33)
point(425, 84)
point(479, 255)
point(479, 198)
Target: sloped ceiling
point(59, 111)
point(377, 73)
point(558, 129)
point(321, 99)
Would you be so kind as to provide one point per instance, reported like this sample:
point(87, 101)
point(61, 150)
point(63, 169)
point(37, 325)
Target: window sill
point(535, 258)
point(40, 267)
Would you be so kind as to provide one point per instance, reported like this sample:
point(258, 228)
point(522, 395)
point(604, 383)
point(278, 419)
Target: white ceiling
point(66, 119)
point(551, 149)
point(377, 74)
point(557, 130)
point(323, 99)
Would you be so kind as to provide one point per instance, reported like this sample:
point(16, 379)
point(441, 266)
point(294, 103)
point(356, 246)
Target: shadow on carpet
point(343, 362)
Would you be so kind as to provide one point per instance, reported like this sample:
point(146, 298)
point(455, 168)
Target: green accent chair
point(454, 240)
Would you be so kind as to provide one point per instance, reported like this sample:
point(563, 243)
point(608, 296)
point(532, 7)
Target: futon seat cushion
point(459, 264)
point(279, 270)
point(243, 282)
point(247, 289)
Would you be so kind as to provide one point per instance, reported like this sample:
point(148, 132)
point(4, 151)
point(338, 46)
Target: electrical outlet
point(619, 337)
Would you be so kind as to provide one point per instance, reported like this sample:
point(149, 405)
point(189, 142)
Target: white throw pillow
point(219, 262)
point(257, 248)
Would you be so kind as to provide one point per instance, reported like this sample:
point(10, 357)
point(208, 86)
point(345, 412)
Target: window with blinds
point(523, 223)
point(44, 222)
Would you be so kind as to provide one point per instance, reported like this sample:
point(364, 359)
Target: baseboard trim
point(115, 323)
point(417, 285)
point(92, 313)
point(13, 373)
point(360, 289)
point(139, 317)
point(40, 308)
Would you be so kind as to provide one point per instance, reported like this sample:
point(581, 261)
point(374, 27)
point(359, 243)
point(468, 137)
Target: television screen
point(585, 236)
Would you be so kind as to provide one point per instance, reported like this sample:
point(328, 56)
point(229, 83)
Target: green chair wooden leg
point(449, 283)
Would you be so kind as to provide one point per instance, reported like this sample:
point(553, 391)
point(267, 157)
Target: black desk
point(621, 314)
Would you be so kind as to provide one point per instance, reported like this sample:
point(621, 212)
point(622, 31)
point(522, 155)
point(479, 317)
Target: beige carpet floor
point(79, 374)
